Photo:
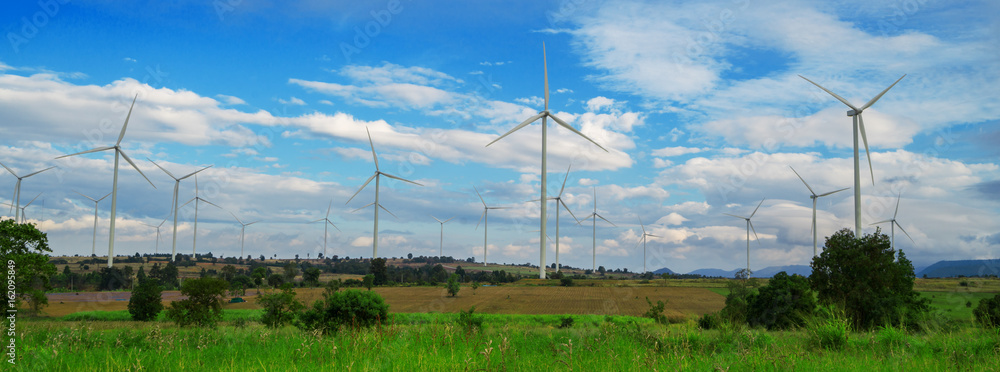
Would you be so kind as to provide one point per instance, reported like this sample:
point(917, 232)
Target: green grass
point(952, 305)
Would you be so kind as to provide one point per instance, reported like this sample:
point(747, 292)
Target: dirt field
point(489, 299)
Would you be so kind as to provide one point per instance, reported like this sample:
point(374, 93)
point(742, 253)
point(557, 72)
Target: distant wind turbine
point(893, 223)
point(24, 219)
point(243, 230)
point(441, 248)
point(595, 216)
point(93, 247)
point(559, 202)
point(196, 199)
point(544, 115)
point(814, 197)
point(485, 217)
point(325, 224)
point(377, 176)
point(114, 185)
point(749, 227)
point(16, 200)
point(644, 235)
point(177, 185)
point(157, 227)
point(859, 126)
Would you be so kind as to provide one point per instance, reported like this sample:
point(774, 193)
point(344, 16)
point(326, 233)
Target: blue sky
point(698, 103)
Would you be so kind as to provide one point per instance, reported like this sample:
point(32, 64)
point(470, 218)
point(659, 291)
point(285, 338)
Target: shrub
point(279, 308)
point(829, 333)
point(146, 302)
point(475, 285)
point(710, 321)
point(332, 286)
point(738, 299)
point(453, 286)
point(892, 337)
point(566, 322)
point(988, 312)
point(470, 321)
point(566, 282)
point(785, 302)
point(203, 307)
point(655, 312)
point(352, 308)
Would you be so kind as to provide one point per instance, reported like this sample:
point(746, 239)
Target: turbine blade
point(606, 220)
point(481, 218)
point(366, 206)
point(839, 98)
point(195, 172)
point(864, 137)
point(334, 226)
point(585, 218)
point(435, 218)
point(641, 226)
point(876, 223)
point(740, 217)
point(832, 192)
point(375, 157)
point(545, 63)
point(519, 126)
point(321, 219)
point(32, 200)
point(390, 212)
point(162, 169)
point(85, 152)
point(250, 223)
point(213, 204)
point(32, 174)
point(803, 181)
point(105, 196)
point(81, 194)
point(136, 167)
point(188, 202)
point(8, 169)
point(755, 209)
point(904, 231)
point(563, 123)
point(401, 179)
point(567, 209)
point(480, 196)
point(127, 117)
point(564, 180)
point(872, 102)
point(237, 218)
point(445, 221)
point(328, 208)
point(897, 206)
point(754, 231)
point(362, 188)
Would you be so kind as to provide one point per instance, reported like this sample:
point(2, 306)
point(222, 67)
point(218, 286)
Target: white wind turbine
point(441, 248)
point(559, 201)
point(377, 176)
point(177, 185)
point(93, 247)
point(749, 227)
point(814, 197)
point(859, 126)
point(325, 224)
point(16, 200)
point(595, 216)
point(24, 219)
point(893, 223)
point(196, 199)
point(243, 230)
point(485, 217)
point(644, 235)
point(544, 115)
point(157, 227)
point(114, 185)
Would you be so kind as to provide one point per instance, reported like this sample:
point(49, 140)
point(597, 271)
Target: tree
point(378, 269)
point(203, 307)
point(228, 273)
point(988, 312)
point(368, 281)
point(275, 280)
point(311, 276)
point(601, 270)
point(864, 277)
point(352, 308)
point(786, 301)
point(26, 246)
point(279, 308)
point(146, 301)
point(475, 285)
point(291, 271)
point(409, 256)
point(453, 286)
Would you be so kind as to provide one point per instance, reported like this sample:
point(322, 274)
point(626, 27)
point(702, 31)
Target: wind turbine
point(93, 247)
point(377, 176)
point(177, 185)
point(441, 249)
point(485, 217)
point(157, 227)
point(328, 222)
point(859, 125)
point(17, 189)
point(749, 227)
point(595, 216)
point(893, 223)
point(244, 230)
point(559, 201)
point(196, 199)
point(814, 197)
point(544, 114)
point(114, 185)
point(24, 219)
point(644, 235)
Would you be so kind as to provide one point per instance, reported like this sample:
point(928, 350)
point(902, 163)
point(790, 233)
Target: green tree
point(868, 280)
point(988, 312)
point(291, 271)
point(350, 308)
point(741, 290)
point(453, 286)
point(258, 275)
point(203, 307)
point(25, 245)
point(368, 281)
point(279, 308)
point(275, 280)
point(786, 301)
point(311, 276)
point(475, 285)
point(146, 301)
point(379, 270)
point(228, 273)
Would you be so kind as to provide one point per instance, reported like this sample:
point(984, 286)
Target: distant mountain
point(714, 272)
point(766, 272)
point(950, 269)
point(664, 271)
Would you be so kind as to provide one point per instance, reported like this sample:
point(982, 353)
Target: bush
point(566, 322)
point(146, 302)
point(475, 285)
point(785, 302)
point(566, 282)
point(829, 333)
point(470, 321)
point(203, 307)
point(988, 312)
point(352, 308)
point(738, 299)
point(453, 286)
point(656, 311)
point(279, 308)
point(710, 321)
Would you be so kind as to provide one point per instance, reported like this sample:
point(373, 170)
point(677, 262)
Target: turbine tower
point(595, 216)
point(114, 184)
point(749, 227)
point(157, 227)
point(814, 197)
point(485, 217)
point(243, 230)
point(16, 200)
point(196, 199)
point(644, 235)
point(441, 249)
point(893, 223)
point(559, 202)
point(859, 126)
point(327, 223)
point(93, 247)
point(544, 115)
point(177, 185)
point(377, 176)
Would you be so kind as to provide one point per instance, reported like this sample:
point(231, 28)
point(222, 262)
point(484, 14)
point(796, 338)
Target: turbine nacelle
point(851, 113)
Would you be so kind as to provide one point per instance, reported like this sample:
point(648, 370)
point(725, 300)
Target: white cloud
point(564, 90)
point(598, 103)
point(588, 182)
point(230, 100)
point(676, 151)
point(292, 101)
